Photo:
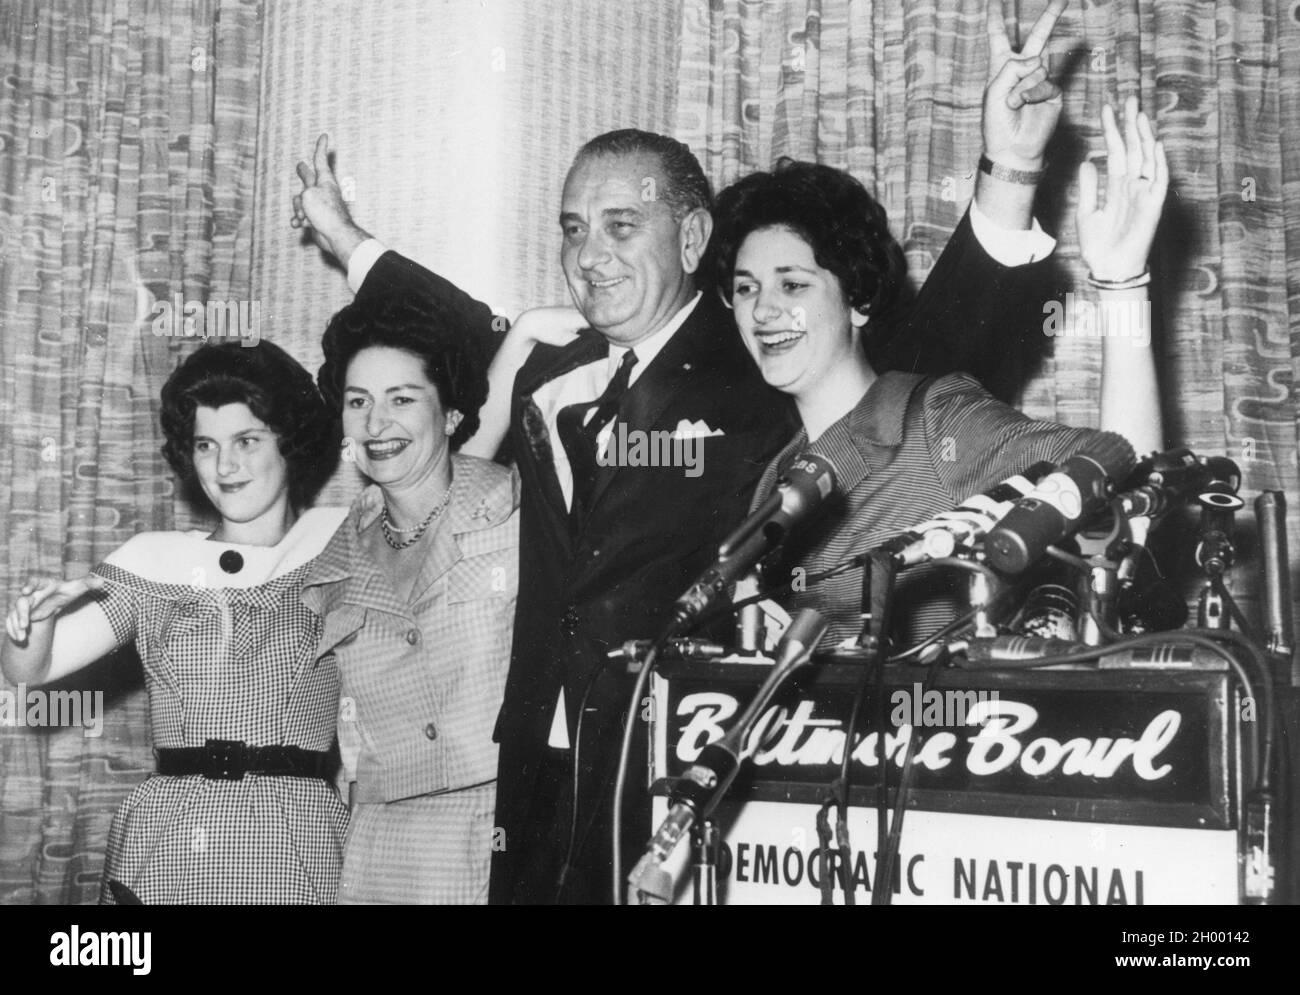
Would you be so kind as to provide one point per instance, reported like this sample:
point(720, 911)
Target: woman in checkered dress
point(417, 589)
point(243, 808)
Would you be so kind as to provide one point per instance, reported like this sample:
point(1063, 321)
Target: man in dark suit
point(607, 542)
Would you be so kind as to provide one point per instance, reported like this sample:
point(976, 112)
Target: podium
point(1043, 787)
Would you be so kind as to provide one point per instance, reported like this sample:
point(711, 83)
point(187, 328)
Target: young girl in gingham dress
point(243, 808)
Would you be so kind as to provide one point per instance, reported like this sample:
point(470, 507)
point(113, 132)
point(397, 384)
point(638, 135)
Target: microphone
point(940, 535)
point(1219, 502)
point(799, 493)
point(706, 781)
point(1060, 504)
point(1270, 513)
point(1000, 651)
point(1171, 477)
point(633, 651)
point(1050, 611)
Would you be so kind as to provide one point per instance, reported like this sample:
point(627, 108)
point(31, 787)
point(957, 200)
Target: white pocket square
point(687, 429)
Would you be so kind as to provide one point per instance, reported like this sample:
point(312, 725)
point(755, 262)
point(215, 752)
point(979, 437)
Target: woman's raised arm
point(1115, 241)
point(44, 640)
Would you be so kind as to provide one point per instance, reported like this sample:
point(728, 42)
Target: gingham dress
point(234, 663)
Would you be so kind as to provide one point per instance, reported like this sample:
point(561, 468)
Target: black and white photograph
point(672, 452)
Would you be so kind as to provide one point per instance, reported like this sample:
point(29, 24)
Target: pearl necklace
point(391, 531)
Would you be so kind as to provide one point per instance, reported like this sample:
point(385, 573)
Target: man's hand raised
point(1021, 105)
point(321, 209)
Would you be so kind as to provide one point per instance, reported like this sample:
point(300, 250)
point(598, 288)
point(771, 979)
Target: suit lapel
point(442, 556)
point(661, 383)
point(544, 365)
point(343, 574)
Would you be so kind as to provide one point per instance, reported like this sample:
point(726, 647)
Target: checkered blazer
point(421, 681)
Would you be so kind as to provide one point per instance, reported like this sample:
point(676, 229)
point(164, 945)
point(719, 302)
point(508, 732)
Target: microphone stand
point(878, 580)
point(1214, 555)
point(707, 781)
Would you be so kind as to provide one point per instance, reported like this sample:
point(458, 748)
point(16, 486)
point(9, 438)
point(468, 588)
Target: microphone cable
point(768, 593)
point(884, 869)
point(624, 755)
point(1260, 742)
point(576, 769)
point(1206, 639)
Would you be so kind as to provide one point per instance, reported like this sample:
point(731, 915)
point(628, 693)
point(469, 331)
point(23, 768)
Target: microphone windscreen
point(809, 481)
point(1060, 502)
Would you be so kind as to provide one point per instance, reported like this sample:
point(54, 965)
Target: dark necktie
point(578, 433)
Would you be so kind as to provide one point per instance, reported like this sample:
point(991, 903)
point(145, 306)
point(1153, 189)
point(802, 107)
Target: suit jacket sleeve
point(973, 315)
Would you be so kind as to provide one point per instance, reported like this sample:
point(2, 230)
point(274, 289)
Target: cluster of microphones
point(1017, 520)
point(1015, 523)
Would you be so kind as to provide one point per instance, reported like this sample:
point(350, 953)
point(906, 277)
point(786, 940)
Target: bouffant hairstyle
point(438, 334)
point(276, 389)
point(831, 211)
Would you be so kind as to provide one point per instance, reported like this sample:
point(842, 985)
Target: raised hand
point(321, 209)
point(43, 600)
point(550, 325)
point(1115, 239)
point(1021, 105)
point(556, 326)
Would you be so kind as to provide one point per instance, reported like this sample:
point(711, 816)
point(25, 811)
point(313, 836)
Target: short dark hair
point(276, 389)
point(688, 188)
point(830, 210)
point(434, 332)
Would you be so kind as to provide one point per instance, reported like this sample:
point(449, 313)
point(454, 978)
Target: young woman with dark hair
point(805, 259)
point(242, 808)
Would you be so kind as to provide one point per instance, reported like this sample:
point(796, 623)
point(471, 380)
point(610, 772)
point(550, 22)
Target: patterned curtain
point(127, 137)
point(892, 92)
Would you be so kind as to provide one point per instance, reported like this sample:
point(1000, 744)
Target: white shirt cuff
point(1007, 246)
point(365, 255)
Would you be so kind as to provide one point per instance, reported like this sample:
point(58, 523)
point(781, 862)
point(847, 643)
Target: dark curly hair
point(277, 390)
point(434, 332)
point(688, 188)
point(843, 224)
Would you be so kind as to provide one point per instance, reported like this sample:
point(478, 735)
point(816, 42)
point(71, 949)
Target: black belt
point(230, 760)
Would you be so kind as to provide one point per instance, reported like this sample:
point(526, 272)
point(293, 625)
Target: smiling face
point(628, 263)
point(238, 464)
point(792, 314)
point(393, 419)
